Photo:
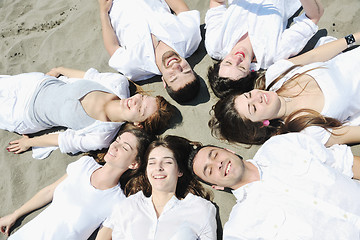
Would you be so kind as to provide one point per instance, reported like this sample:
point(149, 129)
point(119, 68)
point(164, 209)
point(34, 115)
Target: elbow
point(319, 13)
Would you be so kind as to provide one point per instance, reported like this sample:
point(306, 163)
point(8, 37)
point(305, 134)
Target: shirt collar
point(241, 192)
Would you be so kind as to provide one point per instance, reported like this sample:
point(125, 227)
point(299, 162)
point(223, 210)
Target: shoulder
point(276, 69)
point(198, 203)
point(84, 164)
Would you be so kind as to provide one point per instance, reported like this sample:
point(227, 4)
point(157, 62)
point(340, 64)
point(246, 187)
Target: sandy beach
point(39, 35)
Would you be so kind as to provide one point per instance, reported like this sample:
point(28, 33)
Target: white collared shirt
point(134, 21)
point(305, 192)
point(190, 218)
point(265, 21)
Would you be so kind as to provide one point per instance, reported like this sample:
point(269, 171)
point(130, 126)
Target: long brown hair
point(181, 148)
point(227, 124)
point(143, 141)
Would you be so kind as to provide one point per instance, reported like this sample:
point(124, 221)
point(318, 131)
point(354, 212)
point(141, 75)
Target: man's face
point(219, 166)
point(176, 71)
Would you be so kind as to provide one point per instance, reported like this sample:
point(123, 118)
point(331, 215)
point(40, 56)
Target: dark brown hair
point(186, 93)
point(160, 120)
point(181, 148)
point(227, 124)
point(222, 86)
point(143, 141)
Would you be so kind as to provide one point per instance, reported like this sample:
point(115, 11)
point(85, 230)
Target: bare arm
point(344, 135)
point(68, 72)
point(356, 168)
point(313, 9)
point(177, 6)
point(324, 52)
point(104, 234)
point(40, 199)
point(24, 143)
point(109, 37)
point(216, 3)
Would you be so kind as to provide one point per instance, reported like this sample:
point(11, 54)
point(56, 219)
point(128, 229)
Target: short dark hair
point(224, 86)
point(186, 93)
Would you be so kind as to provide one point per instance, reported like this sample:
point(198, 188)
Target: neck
point(160, 199)
point(106, 177)
point(250, 174)
point(159, 50)
point(284, 111)
point(244, 43)
point(112, 112)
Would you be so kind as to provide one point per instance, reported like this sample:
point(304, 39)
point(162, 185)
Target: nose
point(177, 66)
point(256, 97)
point(236, 60)
point(159, 167)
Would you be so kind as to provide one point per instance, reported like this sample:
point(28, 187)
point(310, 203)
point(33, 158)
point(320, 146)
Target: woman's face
point(162, 170)
point(258, 105)
point(138, 108)
point(235, 65)
point(123, 151)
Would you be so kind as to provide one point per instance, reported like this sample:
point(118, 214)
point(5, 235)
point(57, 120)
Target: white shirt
point(134, 21)
point(265, 21)
point(190, 218)
point(97, 135)
point(77, 209)
point(338, 80)
point(305, 192)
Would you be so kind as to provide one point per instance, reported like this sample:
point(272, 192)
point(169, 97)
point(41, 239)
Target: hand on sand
point(20, 145)
point(6, 223)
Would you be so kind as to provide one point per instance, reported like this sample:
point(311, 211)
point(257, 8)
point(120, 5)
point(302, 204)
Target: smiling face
point(219, 166)
point(162, 170)
point(235, 65)
point(176, 71)
point(138, 108)
point(258, 105)
point(123, 151)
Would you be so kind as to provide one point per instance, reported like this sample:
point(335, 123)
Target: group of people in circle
point(147, 186)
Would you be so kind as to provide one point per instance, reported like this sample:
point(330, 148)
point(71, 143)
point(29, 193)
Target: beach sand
point(39, 35)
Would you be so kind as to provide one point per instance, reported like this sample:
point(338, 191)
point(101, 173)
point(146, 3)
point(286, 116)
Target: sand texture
point(39, 35)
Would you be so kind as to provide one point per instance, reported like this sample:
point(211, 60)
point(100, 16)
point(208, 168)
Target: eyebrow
point(128, 145)
point(206, 165)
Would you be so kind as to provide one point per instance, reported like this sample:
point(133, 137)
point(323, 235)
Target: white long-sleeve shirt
point(134, 21)
point(190, 218)
point(16, 93)
point(265, 22)
point(305, 192)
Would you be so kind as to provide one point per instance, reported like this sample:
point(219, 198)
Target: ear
point(163, 80)
point(137, 124)
point(230, 150)
point(180, 174)
point(217, 187)
point(134, 165)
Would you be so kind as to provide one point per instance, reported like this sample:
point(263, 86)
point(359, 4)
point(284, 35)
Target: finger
point(14, 142)
point(13, 149)
point(19, 151)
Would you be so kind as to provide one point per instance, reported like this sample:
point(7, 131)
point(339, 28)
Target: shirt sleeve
point(97, 136)
point(133, 61)
point(214, 20)
point(191, 21)
point(294, 39)
point(115, 82)
point(342, 160)
point(114, 222)
point(318, 133)
point(274, 71)
point(209, 231)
